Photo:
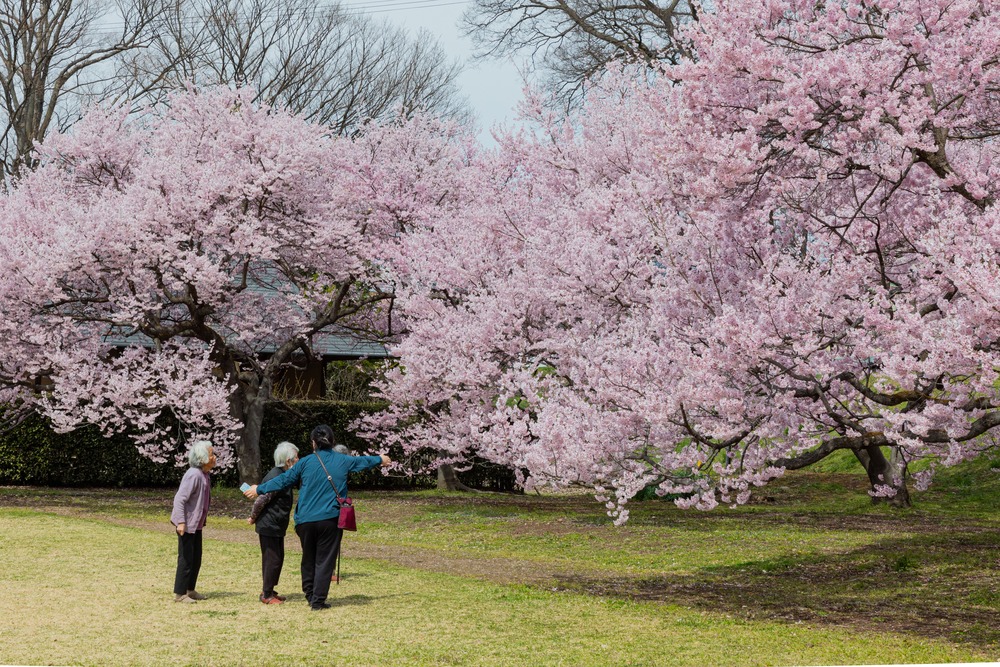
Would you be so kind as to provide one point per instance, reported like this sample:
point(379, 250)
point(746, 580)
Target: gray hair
point(284, 452)
point(198, 454)
point(342, 449)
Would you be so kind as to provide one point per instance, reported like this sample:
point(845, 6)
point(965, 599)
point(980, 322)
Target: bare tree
point(54, 54)
point(571, 41)
point(336, 67)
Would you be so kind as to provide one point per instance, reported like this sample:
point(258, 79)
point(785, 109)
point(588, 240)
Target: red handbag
point(347, 520)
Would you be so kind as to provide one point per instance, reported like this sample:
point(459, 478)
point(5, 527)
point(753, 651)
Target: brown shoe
point(184, 598)
point(195, 595)
point(274, 599)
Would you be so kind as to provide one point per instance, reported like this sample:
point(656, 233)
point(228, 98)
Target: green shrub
point(33, 454)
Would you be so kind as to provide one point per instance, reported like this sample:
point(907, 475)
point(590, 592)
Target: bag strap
point(340, 501)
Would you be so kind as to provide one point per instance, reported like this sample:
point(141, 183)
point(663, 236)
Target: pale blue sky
point(493, 88)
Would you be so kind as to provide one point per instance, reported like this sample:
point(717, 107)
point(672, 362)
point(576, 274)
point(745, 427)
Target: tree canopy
point(181, 261)
point(783, 247)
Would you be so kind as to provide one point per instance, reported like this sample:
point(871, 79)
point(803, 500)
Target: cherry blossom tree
point(179, 262)
point(783, 248)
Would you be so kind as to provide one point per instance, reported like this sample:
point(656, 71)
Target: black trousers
point(320, 547)
point(188, 562)
point(272, 558)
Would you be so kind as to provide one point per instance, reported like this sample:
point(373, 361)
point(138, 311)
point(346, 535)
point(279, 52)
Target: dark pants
point(188, 562)
point(320, 547)
point(272, 557)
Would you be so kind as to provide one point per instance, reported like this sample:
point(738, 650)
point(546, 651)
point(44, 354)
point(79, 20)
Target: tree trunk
point(250, 395)
point(886, 472)
point(897, 468)
point(248, 446)
point(448, 479)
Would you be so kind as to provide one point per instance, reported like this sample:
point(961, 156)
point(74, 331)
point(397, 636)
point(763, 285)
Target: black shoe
point(321, 606)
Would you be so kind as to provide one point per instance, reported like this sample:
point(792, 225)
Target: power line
point(439, 4)
point(374, 4)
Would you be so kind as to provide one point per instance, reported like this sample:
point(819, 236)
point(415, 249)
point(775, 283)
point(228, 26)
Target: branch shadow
point(942, 585)
point(358, 600)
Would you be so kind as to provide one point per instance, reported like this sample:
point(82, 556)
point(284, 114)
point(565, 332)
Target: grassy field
point(809, 574)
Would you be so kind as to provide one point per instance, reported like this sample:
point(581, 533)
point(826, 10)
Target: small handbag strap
point(340, 501)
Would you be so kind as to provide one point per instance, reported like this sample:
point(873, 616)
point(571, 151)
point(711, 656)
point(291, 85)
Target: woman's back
point(317, 499)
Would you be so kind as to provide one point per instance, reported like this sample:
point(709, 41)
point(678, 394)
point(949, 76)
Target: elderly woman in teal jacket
point(317, 510)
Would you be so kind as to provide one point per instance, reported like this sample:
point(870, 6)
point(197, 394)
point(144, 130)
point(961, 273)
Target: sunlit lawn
point(485, 579)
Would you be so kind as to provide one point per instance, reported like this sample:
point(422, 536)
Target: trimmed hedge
point(33, 454)
point(294, 421)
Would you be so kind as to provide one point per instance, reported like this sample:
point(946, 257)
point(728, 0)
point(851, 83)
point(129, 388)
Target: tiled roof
point(342, 345)
point(330, 345)
point(265, 281)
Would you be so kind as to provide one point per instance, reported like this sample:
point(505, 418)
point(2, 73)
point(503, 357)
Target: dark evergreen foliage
point(33, 454)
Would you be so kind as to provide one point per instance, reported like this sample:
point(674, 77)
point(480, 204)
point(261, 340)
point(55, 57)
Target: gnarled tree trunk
point(885, 472)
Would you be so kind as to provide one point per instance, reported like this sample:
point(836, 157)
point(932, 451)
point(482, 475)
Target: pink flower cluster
point(744, 263)
point(784, 248)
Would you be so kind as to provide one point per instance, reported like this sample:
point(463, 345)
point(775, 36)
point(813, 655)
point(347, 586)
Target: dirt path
point(497, 570)
point(921, 576)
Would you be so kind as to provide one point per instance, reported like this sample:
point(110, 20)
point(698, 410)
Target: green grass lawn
point(810, 575)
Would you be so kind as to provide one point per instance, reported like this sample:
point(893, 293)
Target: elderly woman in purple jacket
point(190, 512)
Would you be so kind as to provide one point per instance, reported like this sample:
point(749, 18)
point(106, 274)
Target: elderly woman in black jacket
point(270, 515)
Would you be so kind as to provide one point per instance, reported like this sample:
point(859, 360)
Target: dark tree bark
point(885, 472)
point(448, 479)
point(868, 450)
point(248, 446)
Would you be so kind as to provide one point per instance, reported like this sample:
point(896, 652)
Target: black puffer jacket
point(273, 520)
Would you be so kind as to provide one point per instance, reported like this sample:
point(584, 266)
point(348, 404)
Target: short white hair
point(284, 452)
point(198, 454)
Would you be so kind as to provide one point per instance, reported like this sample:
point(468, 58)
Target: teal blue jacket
point(317, 501)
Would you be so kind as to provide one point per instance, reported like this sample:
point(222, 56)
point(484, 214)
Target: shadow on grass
point(359, 600)
point(938, 585)
point(933, 571)
point(221, 595)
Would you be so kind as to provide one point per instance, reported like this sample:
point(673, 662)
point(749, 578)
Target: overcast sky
point(493, 87)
